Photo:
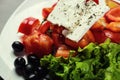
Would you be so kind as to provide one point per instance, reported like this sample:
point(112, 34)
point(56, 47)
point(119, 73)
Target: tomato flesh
point(99, 36)
point(29, 25)
point(62, 53)
point(39, 44)
point(44, 27)
point(87, 38)
point(58, 39)
point(71, 43)
point(114, 36)
point(113, 14)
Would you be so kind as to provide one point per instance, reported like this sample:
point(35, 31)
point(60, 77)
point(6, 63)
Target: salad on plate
point(76, 40)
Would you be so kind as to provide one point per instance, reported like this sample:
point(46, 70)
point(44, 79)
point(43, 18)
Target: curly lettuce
point(94, 62)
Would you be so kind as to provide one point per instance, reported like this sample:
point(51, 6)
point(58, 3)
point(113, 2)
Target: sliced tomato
point(113, 14)
point(58, 39)
point(71, 43)
point(56, 29)
point(83, 42)
point(100, 24)
point(114, 26)
point(46, 12)
point(87, 38)
point(114, 36)
point(99, 36)
point(39, 44)
point(28, 25)
point(44, 27)
point(89, 35)
point(62, 53)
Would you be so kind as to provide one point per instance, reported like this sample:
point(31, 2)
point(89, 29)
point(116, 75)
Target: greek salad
point(79, 41)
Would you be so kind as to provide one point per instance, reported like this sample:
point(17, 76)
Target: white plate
point(9, 34)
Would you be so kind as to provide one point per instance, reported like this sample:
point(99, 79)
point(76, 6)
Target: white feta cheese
point(77, 16)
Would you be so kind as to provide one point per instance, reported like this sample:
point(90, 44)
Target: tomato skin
point(100, 24)
point(89, 35)
point(44, 27)
point(82, 43)
point(28, 25)
point(87, 38)
point(58, 39)
point(71, 43)
point(39, 44)
point(113, 14)
point(46, 12)
point(114, 36)
point(57, 29)
point(62, 53)
point(114, 26)
point(99, 36)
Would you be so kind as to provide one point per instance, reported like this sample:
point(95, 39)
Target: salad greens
point(94, 62)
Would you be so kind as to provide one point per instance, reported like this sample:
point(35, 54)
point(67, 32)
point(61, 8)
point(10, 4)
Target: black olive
point(1, 78)
point(33, 60)
point(29, 69)
point(32, 77)
point(47, 77)
point(44, 79)
point(40, 72)
point(19, 62)
point(20, 71)
point(17, 46)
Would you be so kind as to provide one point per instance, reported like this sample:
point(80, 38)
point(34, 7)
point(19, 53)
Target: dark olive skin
point(17, 46)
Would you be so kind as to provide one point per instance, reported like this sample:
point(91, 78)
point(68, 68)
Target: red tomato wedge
point(56, 29)
point(39, 44)
point(113, 14)
point(58, 39)
point(114, 36)
point(114, 26)
point(28, 25)
point(44, 27)
point(71, 43)
point(62, 51)
point(87, 38)
point(100, 24)
point(99, 36)
point(46, 12)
